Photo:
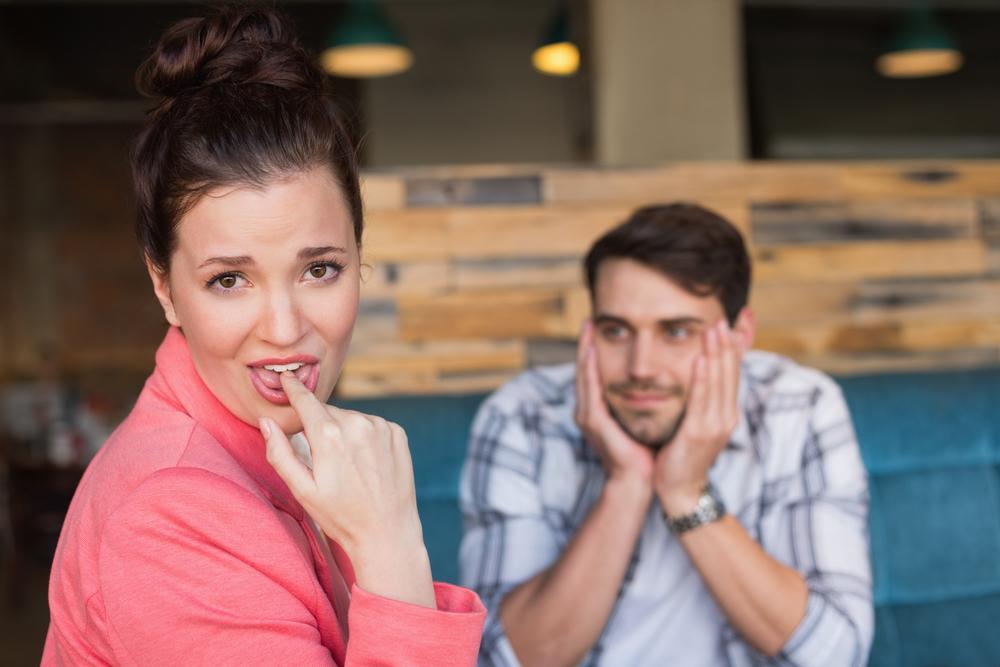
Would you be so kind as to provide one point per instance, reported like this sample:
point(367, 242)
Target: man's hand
point(622, 456)
point(681, 468)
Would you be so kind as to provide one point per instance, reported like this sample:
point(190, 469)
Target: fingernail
point(265, 427)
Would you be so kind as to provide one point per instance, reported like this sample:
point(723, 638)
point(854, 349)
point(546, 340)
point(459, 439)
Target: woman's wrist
point(395, 569)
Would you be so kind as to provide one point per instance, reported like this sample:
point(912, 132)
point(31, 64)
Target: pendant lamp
point(557, 55)
point(365, 44)
point(920, 48)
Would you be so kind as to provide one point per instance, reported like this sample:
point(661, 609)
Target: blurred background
point(855, 142)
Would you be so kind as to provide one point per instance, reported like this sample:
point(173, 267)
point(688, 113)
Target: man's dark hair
point(699, 250)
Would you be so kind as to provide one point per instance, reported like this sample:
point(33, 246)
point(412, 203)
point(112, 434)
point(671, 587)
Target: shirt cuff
point(393, 632)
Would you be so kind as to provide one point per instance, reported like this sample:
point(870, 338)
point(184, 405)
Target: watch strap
point(709, 509)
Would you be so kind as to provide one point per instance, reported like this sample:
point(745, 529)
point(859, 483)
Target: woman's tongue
point(272, 380)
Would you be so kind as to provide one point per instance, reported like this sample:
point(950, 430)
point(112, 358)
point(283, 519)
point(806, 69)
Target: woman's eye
point(225, 282)
point(323, 271)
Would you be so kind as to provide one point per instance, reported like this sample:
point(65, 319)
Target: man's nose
point(641, 358)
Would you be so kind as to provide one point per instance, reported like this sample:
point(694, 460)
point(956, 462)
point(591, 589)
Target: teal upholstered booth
point(931, 443)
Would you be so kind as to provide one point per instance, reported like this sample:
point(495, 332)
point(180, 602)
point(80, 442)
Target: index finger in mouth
point(303, 401)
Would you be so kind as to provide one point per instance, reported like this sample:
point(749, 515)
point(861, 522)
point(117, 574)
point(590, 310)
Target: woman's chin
point(288, 423)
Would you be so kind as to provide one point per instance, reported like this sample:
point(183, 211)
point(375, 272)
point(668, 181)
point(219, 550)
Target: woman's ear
point(161, 286)
point(745, 328)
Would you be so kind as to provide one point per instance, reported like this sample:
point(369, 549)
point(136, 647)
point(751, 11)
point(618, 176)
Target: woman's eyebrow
point(317, 251)
point(240, 260)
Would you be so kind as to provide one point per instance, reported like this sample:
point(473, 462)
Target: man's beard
point(654, 439)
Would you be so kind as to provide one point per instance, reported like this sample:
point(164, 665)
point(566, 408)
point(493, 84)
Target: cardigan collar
point(243, 441)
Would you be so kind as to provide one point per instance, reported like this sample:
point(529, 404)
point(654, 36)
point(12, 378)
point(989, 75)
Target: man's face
point(648, 333)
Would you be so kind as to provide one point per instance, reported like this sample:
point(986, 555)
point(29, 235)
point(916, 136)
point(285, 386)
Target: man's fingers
point(595, 399)
point(281, 457)
point(582, 353)
point(696, 407)
point(730, 375)
point(713, 374)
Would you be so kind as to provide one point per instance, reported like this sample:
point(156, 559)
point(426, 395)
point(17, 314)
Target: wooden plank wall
point(474, 272)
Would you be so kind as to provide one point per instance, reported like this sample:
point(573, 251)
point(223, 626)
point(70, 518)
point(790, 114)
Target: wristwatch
point(709, 508)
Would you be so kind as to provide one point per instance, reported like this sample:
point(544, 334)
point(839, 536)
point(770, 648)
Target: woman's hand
point(360, 492)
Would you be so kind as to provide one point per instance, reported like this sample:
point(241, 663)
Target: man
point(671, 498)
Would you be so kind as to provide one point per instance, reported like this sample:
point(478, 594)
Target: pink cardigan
point(183, 547)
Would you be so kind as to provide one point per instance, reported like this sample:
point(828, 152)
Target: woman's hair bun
point(230, 47)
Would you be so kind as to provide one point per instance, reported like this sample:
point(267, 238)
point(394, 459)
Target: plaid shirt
point(792, 475)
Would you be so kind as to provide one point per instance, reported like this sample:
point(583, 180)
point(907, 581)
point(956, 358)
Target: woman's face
point(265, 280)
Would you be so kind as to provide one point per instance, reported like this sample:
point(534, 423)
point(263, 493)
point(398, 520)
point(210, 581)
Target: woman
point(198, 535)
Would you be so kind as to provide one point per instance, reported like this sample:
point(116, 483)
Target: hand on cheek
point(621, 455)
point(712, 414)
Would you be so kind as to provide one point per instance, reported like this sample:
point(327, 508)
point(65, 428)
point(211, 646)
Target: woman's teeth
point(281, 368)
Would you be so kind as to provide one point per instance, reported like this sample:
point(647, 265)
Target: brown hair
point(238, 102)
point(697, 249)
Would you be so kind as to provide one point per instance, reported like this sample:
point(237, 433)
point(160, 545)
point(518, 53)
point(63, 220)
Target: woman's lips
point(268, 383)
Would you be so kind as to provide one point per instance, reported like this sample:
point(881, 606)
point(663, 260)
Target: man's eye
point(614, 332)
point(677, 333)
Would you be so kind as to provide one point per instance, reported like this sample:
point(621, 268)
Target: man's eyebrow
point(240, 260)
point(319, 251)
point(606, 318)
point(680, 321)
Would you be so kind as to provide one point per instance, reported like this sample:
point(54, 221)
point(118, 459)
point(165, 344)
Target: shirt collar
point(175, 366)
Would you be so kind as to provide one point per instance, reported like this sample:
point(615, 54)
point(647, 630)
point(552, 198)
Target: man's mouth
point(646, 396)
point(265, 375)
point(639, 399)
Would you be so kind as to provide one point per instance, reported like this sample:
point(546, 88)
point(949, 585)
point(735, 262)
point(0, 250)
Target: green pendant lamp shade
point(365, 44)
point(921, 48)
point(557, 55)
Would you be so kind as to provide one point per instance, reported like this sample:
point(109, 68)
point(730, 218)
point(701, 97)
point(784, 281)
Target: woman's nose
point(281, 322)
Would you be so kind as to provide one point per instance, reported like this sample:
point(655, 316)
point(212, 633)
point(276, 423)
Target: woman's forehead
point(303, 210)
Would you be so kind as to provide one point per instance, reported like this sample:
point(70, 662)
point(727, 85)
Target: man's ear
point(161, 286)
point(745, 328)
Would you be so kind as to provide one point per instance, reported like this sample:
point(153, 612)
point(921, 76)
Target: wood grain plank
point(530, 231)
point(873, 301)
point(806, 340)
point(919, 180)
point(367, 386)
point(437, 357)
point(489, 314)
point(855, 364)
point(526, 272)
point(390, 279)
point(695, 181)
point(847, 261)
point(881, 220)
point(406, 236)
point(382, 192)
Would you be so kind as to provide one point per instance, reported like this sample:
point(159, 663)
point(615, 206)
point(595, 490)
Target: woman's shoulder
point(163, 454)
